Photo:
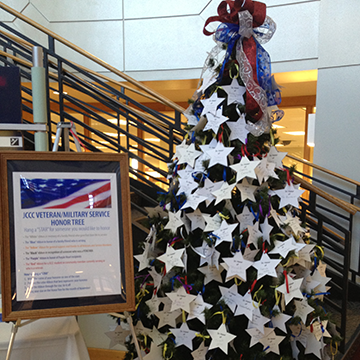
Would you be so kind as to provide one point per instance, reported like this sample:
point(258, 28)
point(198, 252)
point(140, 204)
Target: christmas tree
point(227, 270)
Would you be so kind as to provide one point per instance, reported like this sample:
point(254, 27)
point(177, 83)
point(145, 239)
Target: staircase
point(109, 119)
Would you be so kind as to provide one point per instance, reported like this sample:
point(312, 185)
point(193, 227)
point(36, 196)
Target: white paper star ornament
point(245, 168)
point(211, 104)
point(238, 129)
point(230, 296)
point(224, 233)
point(219, 155)
point(184, 336)
point(258, 320)
point(247, 190)
point(212, 273)
point(280, 319)
point(313, 346)
point(266, 266)
point(118, 336)
point(155, 353)
point(237, 267)
point(174, 221)
point(172, 258)
point(283, 247)
point(220, 338)
point(188, 155)
point(214, 121)
point(276, 157)
point(167, 318)
point(235, 92)
point(200, 352)
point(271, 342)
point(180, 299)
point(197, 220)
point(291, 289)
point(245, 306)
point(197, 308)
point(223, 193)
point(157, 337)
point(289, 196)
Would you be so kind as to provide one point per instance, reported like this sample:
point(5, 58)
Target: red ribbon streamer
point(287, 282)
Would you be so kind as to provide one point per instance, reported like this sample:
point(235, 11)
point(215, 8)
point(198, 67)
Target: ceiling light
point(278, 145)
point(295, 133)
point(278, 126)
point(310, 141)
point(153, 139)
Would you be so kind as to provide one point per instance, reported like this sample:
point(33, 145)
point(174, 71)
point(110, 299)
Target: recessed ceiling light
point(295, 133)
point(278, 126)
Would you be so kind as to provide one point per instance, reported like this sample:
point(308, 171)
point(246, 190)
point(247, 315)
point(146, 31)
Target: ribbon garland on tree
point(246, 26)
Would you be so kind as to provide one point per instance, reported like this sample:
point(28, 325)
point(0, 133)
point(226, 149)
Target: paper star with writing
point(219, 155)
point(155, 353)
point(294, 223)
point(304, 254)
point(321, 288)
point(174, 221)
point(179, 149)
point(313, 346)
point(291, 289)
point(250, 254)
point(153, 304)
point(157, 211)
point(245, 219)
point(212, 222)
point(258, 320)
point(266, 229)
point(212, 273)
point(184, 336)
point(223, 193)
point(224, 233)
point(197, 220)
point(143, 258)
point(230, 296)
point(185, 173)
point(157, 337)
point(245, 306)
point(200, 352)
point(254, 234)
point(247, 190)
point(193, 201)
point(187, 185)
point(309, 284)
point(276, 157)
point(180, 299)
point(167, 318)
point(237, 267)
point(188, 155)
point(276, 217)
point(238, 129)
point(118, 336)
point(319, 329)
point(280, 319)
point(271, 342)
point(283, 247)
point(191, 119)
point(207, 254)
point(235, 92)
point(207, 190)
point(211, 104)
point(266, 266)
point(214, 121)
point(172, 258)
point(256, 335)
point(289, 196)
point(300, 333)
point(220, 338)
point(245, 168)
point(197, 308)
point(265, 170)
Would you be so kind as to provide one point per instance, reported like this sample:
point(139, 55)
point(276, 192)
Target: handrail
point(354, 182)
point(350, 208)
point(97, 60)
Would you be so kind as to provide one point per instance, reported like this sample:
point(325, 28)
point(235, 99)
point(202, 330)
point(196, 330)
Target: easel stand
point(128, 318)
point(68, 128)
point(14, 330)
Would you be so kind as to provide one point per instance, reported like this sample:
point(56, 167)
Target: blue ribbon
point(228, 34)
point(263, 68)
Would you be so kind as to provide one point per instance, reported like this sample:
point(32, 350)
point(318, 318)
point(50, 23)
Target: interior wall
point(337, 122)
point(163, 39)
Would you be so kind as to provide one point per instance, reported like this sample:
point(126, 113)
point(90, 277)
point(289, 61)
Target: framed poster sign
point(65, 234)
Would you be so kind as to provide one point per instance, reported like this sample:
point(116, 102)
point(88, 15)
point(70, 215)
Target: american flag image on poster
point(65, 193)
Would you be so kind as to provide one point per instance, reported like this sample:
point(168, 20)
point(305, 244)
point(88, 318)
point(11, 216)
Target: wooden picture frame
point(66, 241)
